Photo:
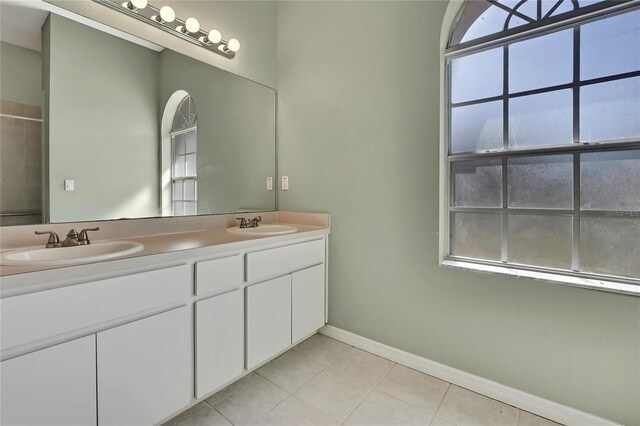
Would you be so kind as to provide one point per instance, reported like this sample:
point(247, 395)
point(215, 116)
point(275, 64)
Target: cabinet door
point(219, 341)
point(268, 319)
point(307, 302)
point(144, 369)
point(53, 386)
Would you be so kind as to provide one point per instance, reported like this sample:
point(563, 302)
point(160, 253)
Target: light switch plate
point(69, 184)
point(285, 183)
point(269, 183)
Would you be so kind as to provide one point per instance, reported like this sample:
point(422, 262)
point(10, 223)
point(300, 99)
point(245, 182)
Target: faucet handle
point(83, 238)
point(243, 222)
point(53, 241)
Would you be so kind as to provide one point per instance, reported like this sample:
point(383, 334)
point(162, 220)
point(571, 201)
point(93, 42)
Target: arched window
point(543, 134)
point(184, 145)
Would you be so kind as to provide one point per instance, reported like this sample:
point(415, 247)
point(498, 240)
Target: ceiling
point(20, 22)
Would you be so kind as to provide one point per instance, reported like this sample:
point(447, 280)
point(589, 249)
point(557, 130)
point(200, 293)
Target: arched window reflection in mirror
point(184, 147)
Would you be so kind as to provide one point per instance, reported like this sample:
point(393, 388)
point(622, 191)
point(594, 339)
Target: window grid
point(575, 149)
point(183, 205)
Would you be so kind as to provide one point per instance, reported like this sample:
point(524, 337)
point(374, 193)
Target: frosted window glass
point(540, 240)
point(177, 190)
point(191, 164)
point(179, 144)
point(189, 208)
point(609, 245)
point(610, 46)
point(541, 62)
point(190, 189)
point(610, 180)
point(179, 166)
point(491, 21)
point(544, 182)
point(178, 208)
point(477, 235)
point(476, 76)
point(610, 111)
point(191, 141)
point(478, 183)
point(476, 127)
point(539, 120)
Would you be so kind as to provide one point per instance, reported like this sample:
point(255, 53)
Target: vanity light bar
point(165, 19)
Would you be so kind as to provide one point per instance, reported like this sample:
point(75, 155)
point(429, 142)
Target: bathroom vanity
point(139, 339)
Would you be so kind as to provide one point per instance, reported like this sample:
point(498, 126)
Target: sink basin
point(70, 255)
point(264, 230)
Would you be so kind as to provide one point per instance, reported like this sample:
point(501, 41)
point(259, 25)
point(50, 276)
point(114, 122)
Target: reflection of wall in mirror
point(21, 137)
point(107, 98)
point(103, 131)
point(236, 133)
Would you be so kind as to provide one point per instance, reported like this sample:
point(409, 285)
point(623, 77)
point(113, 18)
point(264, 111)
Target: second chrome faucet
point(253, 223)
point(73, 238)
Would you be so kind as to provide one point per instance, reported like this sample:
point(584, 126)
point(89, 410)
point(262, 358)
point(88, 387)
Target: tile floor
point(325, 382)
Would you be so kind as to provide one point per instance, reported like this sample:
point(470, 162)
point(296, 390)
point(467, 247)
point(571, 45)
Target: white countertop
point(159, 251)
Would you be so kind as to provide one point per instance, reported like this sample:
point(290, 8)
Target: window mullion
point(575, 253)
point(505, 146)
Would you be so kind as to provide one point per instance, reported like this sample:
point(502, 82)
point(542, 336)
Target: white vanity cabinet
point(268, 319)
point(219, 322)
point(307, 302)
point(111, 351)
point(135, 346)
point(284, 310)
point(143, 369)
point(52, 386)
point(219, 341)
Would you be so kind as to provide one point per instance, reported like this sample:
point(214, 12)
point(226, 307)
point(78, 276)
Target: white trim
point(575, 281)
point(517, 398)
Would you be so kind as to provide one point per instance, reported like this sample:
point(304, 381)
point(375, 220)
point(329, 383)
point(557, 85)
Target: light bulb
point(192, 25)
point(233, 45)
point(167, 14)
point(214, 36)
point(138, 4)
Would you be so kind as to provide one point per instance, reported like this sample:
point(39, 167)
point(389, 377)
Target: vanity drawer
point(217, 275)
point(36, 316)
point(284, 260)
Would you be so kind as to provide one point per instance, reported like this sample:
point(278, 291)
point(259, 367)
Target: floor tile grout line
point(435, 413)
point(299, 387)
point(368, 393)
point(214, 409)
point(410, 404)
point(273, 408)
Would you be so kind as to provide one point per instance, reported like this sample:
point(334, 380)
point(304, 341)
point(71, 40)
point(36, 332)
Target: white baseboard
point(525, 401)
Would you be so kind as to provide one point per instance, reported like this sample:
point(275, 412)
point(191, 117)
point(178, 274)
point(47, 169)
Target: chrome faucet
point(83, 238)
point(253, 223)
point(54, 240)
point(71, 240)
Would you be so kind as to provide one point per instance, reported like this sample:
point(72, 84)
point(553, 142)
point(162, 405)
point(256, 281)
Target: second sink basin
point(264, 230)
point(70, 255)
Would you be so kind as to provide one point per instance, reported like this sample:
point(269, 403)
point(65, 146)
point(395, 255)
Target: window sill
point(591, 283)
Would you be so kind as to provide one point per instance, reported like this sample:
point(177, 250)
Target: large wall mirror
point(98, 126)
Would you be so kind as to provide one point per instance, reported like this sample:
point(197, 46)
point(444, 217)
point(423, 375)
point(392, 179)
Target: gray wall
point(358, 117)
point(94, 99)
point(236, 133)
point(21, 71)
point(253, 23)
